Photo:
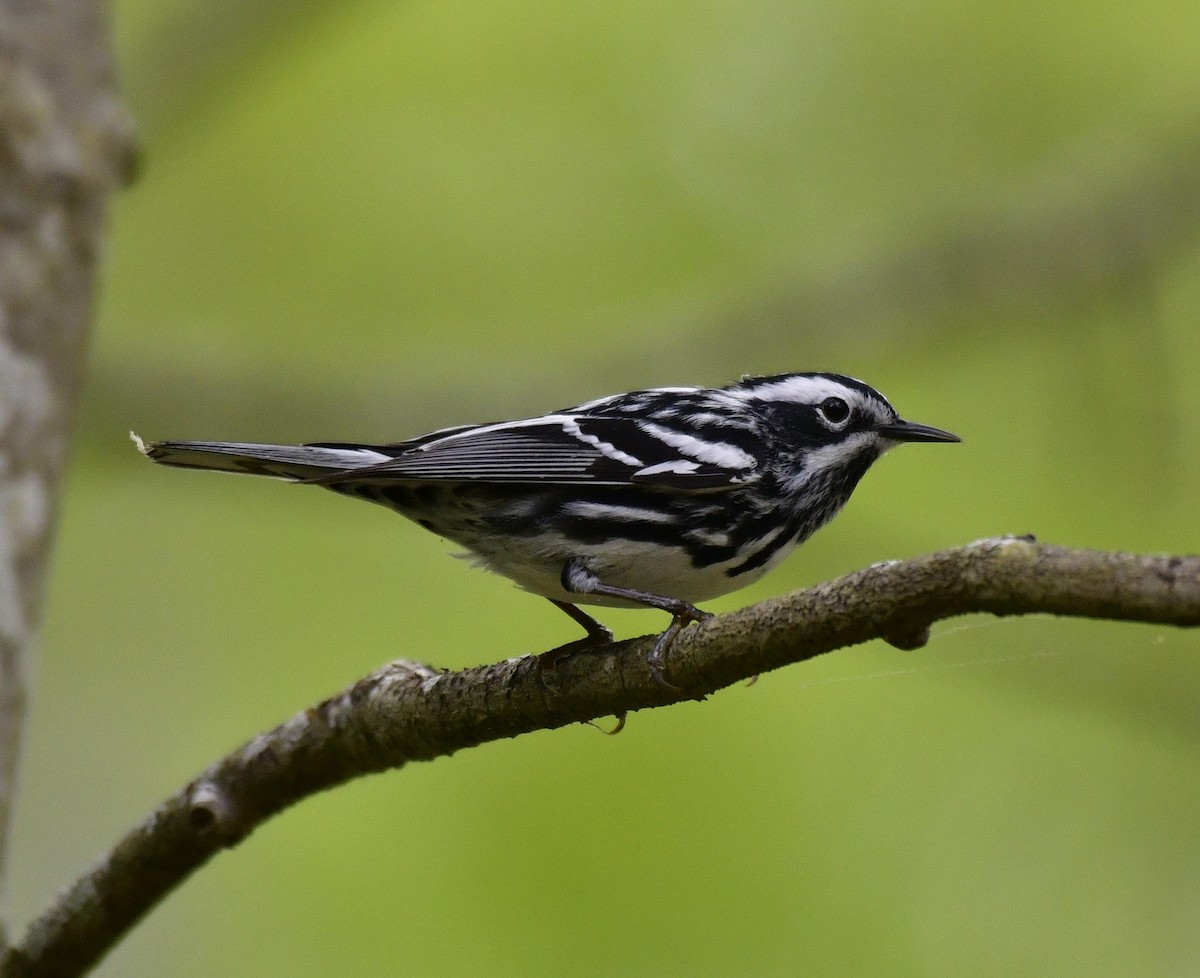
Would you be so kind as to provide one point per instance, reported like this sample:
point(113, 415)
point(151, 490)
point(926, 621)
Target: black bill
point(911, 431)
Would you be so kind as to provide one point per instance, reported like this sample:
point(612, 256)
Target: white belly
point(665, 571)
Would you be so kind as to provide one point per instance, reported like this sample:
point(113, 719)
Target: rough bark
point(64, 146)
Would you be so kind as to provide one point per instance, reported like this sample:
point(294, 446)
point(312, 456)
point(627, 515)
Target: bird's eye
point(834, 410)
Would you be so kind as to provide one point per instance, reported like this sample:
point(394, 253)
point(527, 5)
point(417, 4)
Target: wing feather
point(558, 449)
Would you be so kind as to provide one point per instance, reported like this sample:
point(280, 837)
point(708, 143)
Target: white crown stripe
point(803, 390)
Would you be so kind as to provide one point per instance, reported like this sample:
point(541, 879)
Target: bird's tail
point(297, 463)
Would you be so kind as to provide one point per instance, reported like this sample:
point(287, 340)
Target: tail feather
point(293, 462)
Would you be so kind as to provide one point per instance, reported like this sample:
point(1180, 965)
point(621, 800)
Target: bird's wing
point(559, 449)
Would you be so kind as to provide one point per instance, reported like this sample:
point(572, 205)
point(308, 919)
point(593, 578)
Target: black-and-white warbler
point(655, 498)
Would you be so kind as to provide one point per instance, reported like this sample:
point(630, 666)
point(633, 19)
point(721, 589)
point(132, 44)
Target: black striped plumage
point(659, 497)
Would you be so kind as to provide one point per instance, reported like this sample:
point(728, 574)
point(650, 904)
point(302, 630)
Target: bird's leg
point(597, 634)
point(577, 579)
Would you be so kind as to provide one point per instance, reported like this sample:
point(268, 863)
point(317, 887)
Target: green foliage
point(362, 221)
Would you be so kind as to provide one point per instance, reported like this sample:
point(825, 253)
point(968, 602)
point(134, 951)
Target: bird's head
point(827, 426)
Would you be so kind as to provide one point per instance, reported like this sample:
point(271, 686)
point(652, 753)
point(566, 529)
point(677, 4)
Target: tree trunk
point(65, 144)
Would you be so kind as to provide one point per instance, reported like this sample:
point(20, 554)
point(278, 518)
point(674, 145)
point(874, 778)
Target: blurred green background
point(366, 220)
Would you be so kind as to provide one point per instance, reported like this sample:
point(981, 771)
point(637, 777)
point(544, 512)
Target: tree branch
point(409, 712)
